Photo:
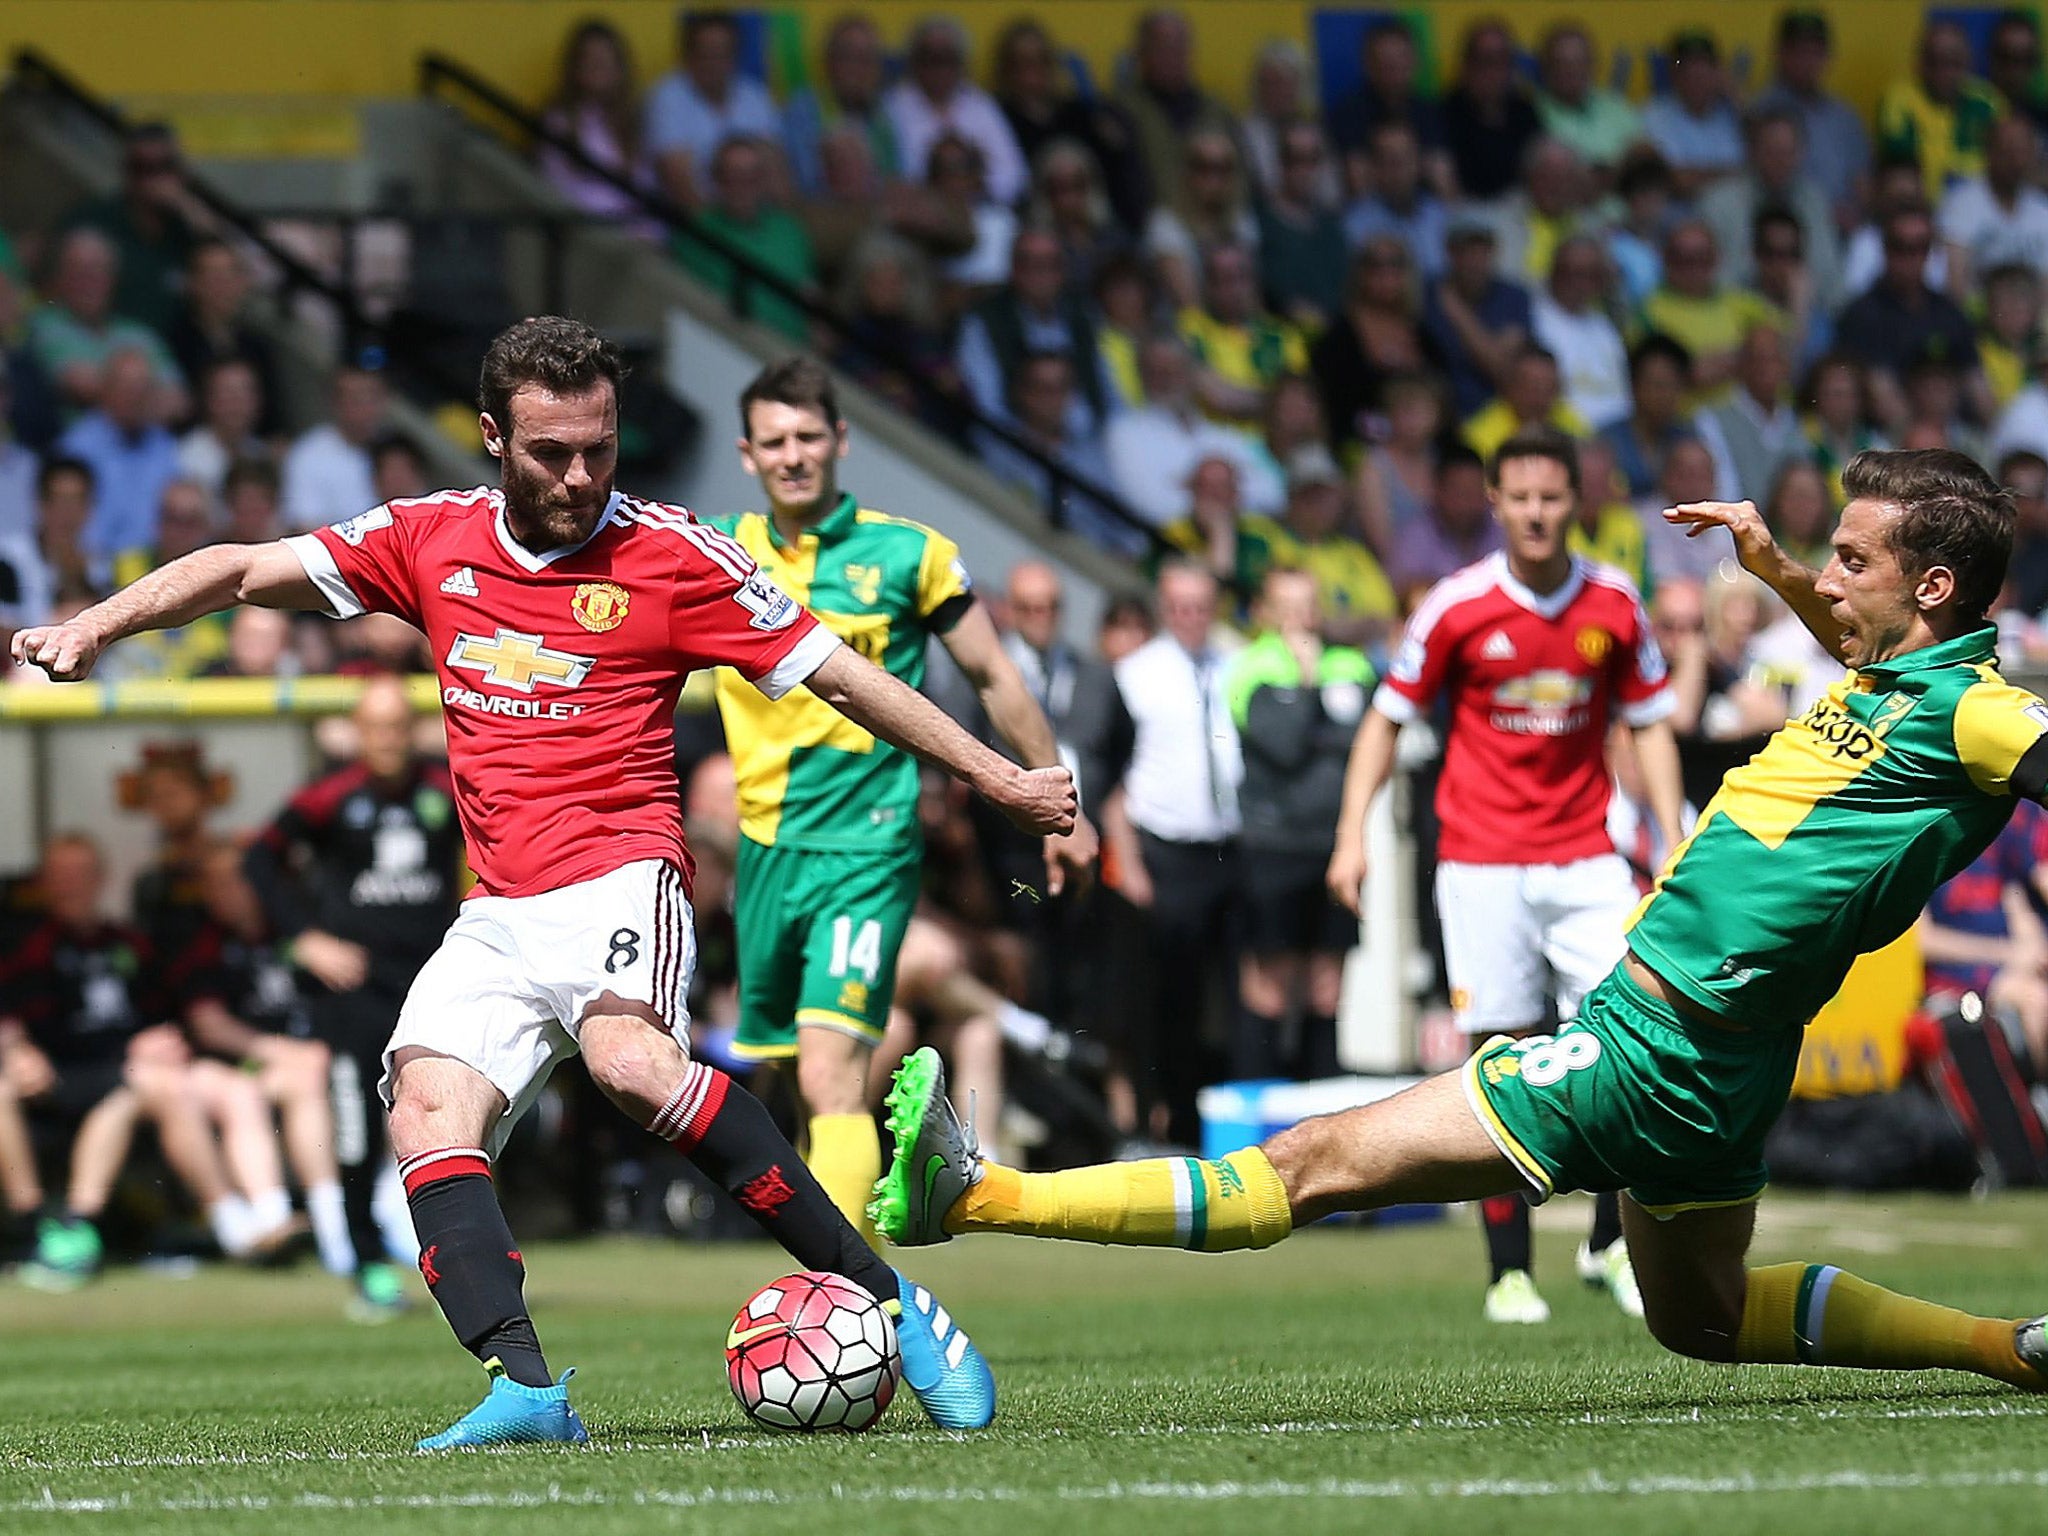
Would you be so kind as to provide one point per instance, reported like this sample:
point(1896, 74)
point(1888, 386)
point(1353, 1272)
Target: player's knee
point(926, 957)
point(630, 1061)
point(832, 1081)
point(1694, 1331)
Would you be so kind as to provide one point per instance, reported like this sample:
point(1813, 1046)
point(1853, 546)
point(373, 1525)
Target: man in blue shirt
point(131, 455)
point(1477, 321)
point(1837, 144)
point(694, 109)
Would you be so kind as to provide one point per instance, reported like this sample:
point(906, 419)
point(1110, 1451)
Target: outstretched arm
point(203, 582)
point(1371, 764)
point(1038, 800)
point(1015, 714)
point(1760, 555)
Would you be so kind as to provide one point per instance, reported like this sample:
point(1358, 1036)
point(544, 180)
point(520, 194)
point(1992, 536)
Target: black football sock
point(470, 1261)
point(1254, 1045)
point(1318, 1056)
point(1606, 1222)
point(1507, 1233)
point(728, 1134)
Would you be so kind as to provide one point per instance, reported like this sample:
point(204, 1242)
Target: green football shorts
point(1632, 1095)
point(817, 936)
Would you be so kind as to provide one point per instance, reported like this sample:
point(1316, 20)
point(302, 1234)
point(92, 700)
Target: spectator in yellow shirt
point(1356, 599)
point(1941, 116)
point(1704, 317)
point(2008, 339)
point(1240, 348)
point(1531, 396)
point(1605, 527)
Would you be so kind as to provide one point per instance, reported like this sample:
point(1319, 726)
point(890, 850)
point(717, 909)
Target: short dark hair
point(799, 380)
point(389, 443)
point(1951, 512)
point(1656, 344)
point(251, 471)
point(1536, 443)
point(1641, 170)
point(2019, 458)
point(696, 22)
point(561, 355)
point(1803, 27)
point(1775, 216)
point(1459, 456)
point(59, 465)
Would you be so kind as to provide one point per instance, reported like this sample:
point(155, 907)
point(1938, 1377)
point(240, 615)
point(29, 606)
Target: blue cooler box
point(1240, 1115)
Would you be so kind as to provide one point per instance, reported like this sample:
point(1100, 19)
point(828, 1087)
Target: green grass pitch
point(1342, 1382)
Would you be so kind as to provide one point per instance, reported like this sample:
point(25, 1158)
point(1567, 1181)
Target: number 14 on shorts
point(856, 948)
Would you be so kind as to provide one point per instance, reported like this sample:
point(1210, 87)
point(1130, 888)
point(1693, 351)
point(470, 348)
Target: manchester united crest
point(600, 606)
point(1593, 644)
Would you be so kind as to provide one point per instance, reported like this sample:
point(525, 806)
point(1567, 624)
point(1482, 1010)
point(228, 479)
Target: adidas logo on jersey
point(1498, 647)
point(461, 584)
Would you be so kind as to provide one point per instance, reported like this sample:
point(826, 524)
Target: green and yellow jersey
point(809, 778)
point(1827, 844)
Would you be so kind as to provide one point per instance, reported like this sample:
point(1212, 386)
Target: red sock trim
point(1499, 1210)
point(688, 1114)
point(447, 1163)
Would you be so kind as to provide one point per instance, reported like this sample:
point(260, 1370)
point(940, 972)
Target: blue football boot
point(513, 1415)
point(940, 1363)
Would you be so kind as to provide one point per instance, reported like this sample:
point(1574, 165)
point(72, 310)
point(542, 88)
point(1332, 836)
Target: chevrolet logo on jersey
point(510, 659)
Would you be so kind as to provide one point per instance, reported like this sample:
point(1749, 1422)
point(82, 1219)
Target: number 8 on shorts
point(1545, 1059)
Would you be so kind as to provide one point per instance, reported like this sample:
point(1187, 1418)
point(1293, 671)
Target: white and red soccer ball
point(813, 1351)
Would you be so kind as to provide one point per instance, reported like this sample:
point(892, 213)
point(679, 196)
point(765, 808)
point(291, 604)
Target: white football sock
point(233, 1225)
point(329, 1216)
point(1024, 1029)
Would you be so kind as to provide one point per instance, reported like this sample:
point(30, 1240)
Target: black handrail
point(436, 69)
point(38, 70)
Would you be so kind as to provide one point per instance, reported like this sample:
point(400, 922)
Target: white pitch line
point(1849, 1479)
point(1731, 1414)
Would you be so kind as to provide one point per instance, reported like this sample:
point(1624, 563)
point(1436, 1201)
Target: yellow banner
point(163, 50)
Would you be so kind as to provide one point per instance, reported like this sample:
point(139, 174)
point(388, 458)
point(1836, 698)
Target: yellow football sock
point(846, 1156)
point(1814, 1314)
point(1164, 1202)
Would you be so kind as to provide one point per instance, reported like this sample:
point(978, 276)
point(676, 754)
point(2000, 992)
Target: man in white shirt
point(328, 476)
point(1572, 327)
point(1773, 177)
point(935, 98)
point(1176, 841)
point(1153, 449)
point(1756, 432)
point(1998, 218)
point(697, 107)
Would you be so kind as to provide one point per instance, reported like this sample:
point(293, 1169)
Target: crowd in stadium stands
point(1268, 352)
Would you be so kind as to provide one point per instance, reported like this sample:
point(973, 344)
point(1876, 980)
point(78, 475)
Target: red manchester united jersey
point(560, 672)
point(1533, 682)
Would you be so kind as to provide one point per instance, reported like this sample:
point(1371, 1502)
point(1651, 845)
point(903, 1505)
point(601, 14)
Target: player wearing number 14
point(830, 852)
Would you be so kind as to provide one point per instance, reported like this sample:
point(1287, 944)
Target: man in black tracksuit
point(1297, 703)
point(361, 874)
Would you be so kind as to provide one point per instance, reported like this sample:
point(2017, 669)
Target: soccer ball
point(813, 1351)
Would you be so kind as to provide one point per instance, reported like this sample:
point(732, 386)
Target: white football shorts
point(509, 986)
point(1516, 935)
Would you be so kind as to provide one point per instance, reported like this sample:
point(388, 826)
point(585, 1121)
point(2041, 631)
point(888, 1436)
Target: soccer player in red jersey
point(1539, 651)
point(564, 616)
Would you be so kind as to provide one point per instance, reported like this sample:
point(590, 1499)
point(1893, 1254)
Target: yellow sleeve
point(941, 574)
point(1294, 350)
point(2002, 739)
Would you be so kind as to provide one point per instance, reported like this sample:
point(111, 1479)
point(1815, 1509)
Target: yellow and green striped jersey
point(808, 776)
point(1827, 844)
